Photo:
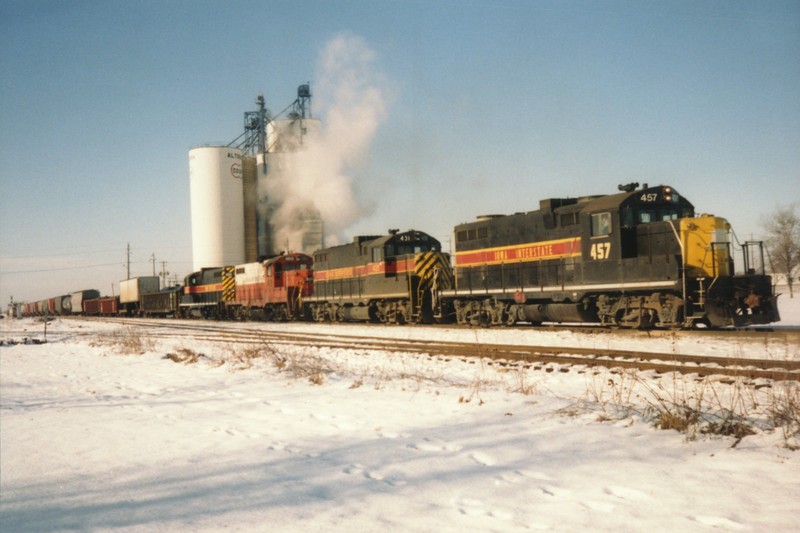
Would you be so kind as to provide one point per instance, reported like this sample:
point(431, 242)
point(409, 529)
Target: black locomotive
point(208, 293)
point(640, 258)
point(389, 278)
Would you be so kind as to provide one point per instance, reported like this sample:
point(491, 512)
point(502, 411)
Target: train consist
point(640, 258)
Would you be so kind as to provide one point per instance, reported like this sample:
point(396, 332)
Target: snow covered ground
point(100, 431)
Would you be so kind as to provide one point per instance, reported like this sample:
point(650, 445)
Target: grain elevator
point(244, 207)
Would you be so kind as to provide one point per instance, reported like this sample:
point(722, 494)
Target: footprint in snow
point(599, 506)
point(470, 507)
point(377, 476)
point(626, 493)
point(540, 476)
point(431, 445)
point(718, 521)
point(354, 469)
point(556, 492)
point(508, 477)
point(482, 458)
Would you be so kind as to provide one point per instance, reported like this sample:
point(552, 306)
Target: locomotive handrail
point(683, 264)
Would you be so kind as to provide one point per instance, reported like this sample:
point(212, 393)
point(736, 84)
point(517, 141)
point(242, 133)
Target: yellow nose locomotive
point(639, 258)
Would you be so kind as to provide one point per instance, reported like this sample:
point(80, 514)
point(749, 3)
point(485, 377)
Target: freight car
point(78, 298)
point(640, 258)
point(273, 289)
point(164, 303)
point(378, 278)
point(62, 305)
point(101, 306)
point(131, 290)
point(208, 293)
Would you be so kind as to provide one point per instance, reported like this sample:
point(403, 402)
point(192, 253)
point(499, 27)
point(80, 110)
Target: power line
point(57, 269)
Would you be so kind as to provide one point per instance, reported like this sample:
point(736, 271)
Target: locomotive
point(273, 289)
point(390, 278)
point(641, 258)
point(207, 293)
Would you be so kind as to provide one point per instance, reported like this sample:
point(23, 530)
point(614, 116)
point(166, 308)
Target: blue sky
point(492, 106)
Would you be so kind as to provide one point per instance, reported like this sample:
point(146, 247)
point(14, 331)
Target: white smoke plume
point(350, 98)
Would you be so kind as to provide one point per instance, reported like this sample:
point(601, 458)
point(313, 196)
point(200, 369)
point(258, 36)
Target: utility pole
point(153, 260)
point(164, 273)
point(128, 263)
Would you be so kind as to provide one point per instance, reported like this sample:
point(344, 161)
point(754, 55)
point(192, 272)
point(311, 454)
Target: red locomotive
point(273, 289)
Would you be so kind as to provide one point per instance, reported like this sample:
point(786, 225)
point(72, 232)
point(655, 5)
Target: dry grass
point(129, 341)
point(783, 412)
point(186, 356)
point(733, 407)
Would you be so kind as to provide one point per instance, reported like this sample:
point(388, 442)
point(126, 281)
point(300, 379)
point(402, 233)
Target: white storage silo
point(215, 176)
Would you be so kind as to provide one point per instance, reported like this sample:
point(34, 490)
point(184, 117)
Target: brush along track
point(506, 354)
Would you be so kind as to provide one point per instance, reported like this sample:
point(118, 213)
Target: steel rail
point(532, 356)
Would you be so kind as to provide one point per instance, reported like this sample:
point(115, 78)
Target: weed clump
point(700, 406)
point(128, 342)
point(186, 356)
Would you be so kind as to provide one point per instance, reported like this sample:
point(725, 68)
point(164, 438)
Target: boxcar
point(131, 290)
point(78, 298)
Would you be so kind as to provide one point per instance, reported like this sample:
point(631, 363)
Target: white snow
point(100, 432)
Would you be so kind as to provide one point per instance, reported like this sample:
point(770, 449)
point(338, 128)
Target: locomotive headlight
point(667, 198)
point(667, 190)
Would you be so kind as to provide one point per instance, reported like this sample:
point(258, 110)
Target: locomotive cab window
point(601, 224)
point(654, 215)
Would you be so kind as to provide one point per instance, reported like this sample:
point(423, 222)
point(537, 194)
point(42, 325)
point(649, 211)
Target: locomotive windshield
point(644, 215)
point(295, 266)
point(410, 248)
point(411, 242)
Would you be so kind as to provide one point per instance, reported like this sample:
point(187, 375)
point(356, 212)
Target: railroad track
point(536, 357)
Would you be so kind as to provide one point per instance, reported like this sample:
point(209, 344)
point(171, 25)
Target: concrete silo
point(215, 175)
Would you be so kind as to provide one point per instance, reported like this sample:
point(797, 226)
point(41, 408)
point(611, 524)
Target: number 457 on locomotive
point(640, 258)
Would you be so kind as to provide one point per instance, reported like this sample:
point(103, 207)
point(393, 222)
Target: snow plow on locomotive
point(640, 258)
